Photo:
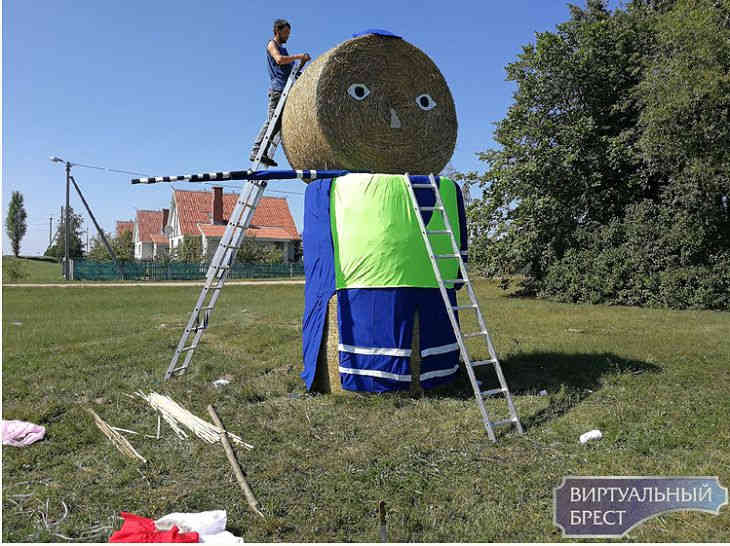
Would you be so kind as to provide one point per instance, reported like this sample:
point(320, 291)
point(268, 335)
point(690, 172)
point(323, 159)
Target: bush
point(14, 270)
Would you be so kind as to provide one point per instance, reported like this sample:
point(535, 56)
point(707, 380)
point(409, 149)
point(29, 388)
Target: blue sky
point(176, 87)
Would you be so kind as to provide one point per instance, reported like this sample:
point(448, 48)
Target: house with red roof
point(205, 214)
point(124, 225)
point(150, 242)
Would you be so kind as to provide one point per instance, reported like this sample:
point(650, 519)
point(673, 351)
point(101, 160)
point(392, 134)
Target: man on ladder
point(279, 65)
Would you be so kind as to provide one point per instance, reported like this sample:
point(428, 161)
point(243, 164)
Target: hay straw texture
point(327, 376)
point(399, 116)
point(176, 415)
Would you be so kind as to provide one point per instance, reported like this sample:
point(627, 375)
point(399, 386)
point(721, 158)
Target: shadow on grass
point(568, 378)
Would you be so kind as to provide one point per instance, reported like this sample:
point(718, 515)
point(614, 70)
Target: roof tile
point(149, 222)
point(124, 225)
point(194, 208)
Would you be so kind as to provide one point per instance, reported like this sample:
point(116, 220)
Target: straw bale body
point(374, 103)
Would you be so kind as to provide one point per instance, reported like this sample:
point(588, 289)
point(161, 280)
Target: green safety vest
point(377, 241)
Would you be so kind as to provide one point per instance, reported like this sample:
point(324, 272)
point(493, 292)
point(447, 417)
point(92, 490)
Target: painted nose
point(394, 120)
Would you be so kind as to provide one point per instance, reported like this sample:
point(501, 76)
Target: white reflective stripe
point(373, 350)
point(376, 373)
point(300, 174)
point(399, 377)
point(226, 175)
point(439, 373)
point(440, 350)
point(312, 174)
point(464, 252)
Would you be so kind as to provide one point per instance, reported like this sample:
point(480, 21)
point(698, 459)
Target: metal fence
point(174, 271)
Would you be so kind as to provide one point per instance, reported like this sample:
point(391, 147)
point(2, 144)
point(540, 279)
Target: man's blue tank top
point(278, 73)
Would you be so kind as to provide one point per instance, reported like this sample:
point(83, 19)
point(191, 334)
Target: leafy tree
point(57, 249)
point(685, 123)
point(123, 247)
point(253, 252)
point(611, 179)
point(15, 222)
point(188, 251)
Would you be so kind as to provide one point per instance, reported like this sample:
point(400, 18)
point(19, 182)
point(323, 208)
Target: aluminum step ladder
point(223, 259)
point(470, 364)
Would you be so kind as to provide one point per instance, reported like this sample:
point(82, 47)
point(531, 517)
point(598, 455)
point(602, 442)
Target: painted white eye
point(425, 102)
point(358, 91)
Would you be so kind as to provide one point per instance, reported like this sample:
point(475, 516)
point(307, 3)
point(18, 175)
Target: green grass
point(656, 382)
point(31, 271)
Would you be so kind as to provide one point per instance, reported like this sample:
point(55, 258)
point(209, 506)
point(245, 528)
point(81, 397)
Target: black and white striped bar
point(243, 175)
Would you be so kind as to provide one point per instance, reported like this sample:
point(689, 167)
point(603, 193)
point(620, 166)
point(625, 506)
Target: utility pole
point(69, 179)
point(50, 230)
point(66, 269)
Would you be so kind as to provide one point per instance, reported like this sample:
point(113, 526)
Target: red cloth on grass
point(138, 529)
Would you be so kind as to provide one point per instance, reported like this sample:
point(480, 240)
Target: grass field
point(656, 382)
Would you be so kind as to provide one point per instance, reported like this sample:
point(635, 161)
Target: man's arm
point(285, 59)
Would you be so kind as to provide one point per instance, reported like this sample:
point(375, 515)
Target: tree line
point(611, 179)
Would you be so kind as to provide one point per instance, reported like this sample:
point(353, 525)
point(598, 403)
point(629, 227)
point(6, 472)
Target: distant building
point(149, 240)
point(124, 225)
point(205, 214)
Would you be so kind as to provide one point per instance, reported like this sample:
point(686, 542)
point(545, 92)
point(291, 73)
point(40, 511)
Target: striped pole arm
point(306, 174)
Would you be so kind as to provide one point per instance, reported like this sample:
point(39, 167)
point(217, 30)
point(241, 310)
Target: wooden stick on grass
point(119, 441)
point(383, 524)
point(252, 502)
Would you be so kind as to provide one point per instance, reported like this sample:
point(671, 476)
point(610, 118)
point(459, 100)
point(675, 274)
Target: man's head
point(282, 28)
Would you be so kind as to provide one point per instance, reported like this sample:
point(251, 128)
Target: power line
point(107, 169)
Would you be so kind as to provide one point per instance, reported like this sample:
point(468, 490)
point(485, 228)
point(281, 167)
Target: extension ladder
point(474, 304)
point(224, 256)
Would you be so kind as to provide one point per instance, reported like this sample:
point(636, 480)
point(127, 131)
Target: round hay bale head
point(374, 103)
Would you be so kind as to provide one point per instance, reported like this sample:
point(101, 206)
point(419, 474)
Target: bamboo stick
point(252, 502)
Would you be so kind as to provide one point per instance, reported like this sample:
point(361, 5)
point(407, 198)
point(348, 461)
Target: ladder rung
point(178, 369)
point(435, 231)
point(475, 334)
point(482, 362)
point(457, 307)
point(228, 246)
point(432, 208)
point(188, 348)
point(204, 327)
point(456, 280)
point(444, 256)
point(417, 186)
point(503, 422)
point(491, 392)
point(221, 267)
point(208, 307)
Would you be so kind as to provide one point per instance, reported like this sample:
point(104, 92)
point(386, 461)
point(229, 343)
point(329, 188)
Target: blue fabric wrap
point(359, 322)
point(268, 174)
point(383, 318)
point(378, 31)
point(319, 272)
